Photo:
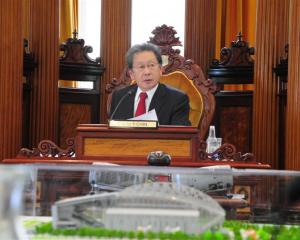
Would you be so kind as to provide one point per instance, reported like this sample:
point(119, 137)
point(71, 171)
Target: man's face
point(146, 71)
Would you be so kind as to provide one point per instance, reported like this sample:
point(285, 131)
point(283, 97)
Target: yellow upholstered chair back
point(180, 81)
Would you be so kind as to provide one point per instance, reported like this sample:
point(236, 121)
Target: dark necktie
point(141, 108)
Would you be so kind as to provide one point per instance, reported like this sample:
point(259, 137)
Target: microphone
point(119, 103)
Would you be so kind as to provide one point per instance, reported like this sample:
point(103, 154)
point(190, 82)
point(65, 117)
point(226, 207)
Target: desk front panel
point(135, 147)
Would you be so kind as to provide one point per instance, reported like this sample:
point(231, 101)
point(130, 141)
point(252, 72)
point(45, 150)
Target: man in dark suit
point(145, 67)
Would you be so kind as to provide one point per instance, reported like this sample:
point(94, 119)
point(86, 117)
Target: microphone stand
point(119, 103)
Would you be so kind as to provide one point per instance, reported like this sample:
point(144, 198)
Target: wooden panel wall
point(11, 71)
point(72, 114)
point(115, 41)
point(200, 31)
point(233, 119)
point(44, 43)
point(292, 160)
point(271, 36)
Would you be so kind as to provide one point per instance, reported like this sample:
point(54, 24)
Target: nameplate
point(132, 124)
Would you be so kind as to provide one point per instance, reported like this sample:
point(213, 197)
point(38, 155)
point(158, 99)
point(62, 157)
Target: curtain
point(26, 19)
point(68, 19)
point(234, 16)
point(68, 23)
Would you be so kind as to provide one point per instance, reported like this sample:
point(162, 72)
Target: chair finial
point(239, 37)
point(75, 34)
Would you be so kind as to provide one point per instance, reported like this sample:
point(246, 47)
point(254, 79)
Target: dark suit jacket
point(171, 105)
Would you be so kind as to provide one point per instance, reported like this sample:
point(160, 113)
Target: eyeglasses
point(151, 66)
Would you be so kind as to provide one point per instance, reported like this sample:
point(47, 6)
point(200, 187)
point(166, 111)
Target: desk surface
point(203, 163)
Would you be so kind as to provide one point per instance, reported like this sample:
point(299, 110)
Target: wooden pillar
point(271, 37)
point(11, 71)
point(200, 32)
point(292, 160)
point(44, 44)
point(115, 41)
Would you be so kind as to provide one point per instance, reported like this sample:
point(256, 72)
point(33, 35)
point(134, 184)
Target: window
point(89, 24)
point(148, 14)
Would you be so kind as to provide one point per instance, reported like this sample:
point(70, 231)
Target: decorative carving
point(118, 83)
point(203, 155)
point(227, 152)
point(75, 51)
point(49, 149)
point(237, 55)
point(164, 37)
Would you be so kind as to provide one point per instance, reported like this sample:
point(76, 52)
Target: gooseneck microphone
point(119, 103)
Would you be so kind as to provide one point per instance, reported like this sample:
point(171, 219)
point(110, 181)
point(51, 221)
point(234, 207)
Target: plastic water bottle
point(212, 143)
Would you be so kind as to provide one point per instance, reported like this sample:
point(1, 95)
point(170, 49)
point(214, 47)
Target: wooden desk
point(99, 142)
point(130, 146)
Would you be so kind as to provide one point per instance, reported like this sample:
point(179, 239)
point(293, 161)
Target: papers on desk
point(149, 116)
point(217, 167)
point(105, 164)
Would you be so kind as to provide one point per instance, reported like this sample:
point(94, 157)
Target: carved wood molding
point(117, 83)
point(227, 152)
point(238, 55)
point(74, 51)
point(47, 148)
point(164, 37)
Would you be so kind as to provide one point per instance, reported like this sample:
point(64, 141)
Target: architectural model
point(158, 206)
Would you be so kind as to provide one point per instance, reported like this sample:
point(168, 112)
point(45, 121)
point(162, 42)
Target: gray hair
point(142, 48)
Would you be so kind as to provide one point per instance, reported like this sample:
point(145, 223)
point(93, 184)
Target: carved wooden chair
point(182, 74)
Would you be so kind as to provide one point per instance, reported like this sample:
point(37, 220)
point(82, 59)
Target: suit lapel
point(158, 99)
